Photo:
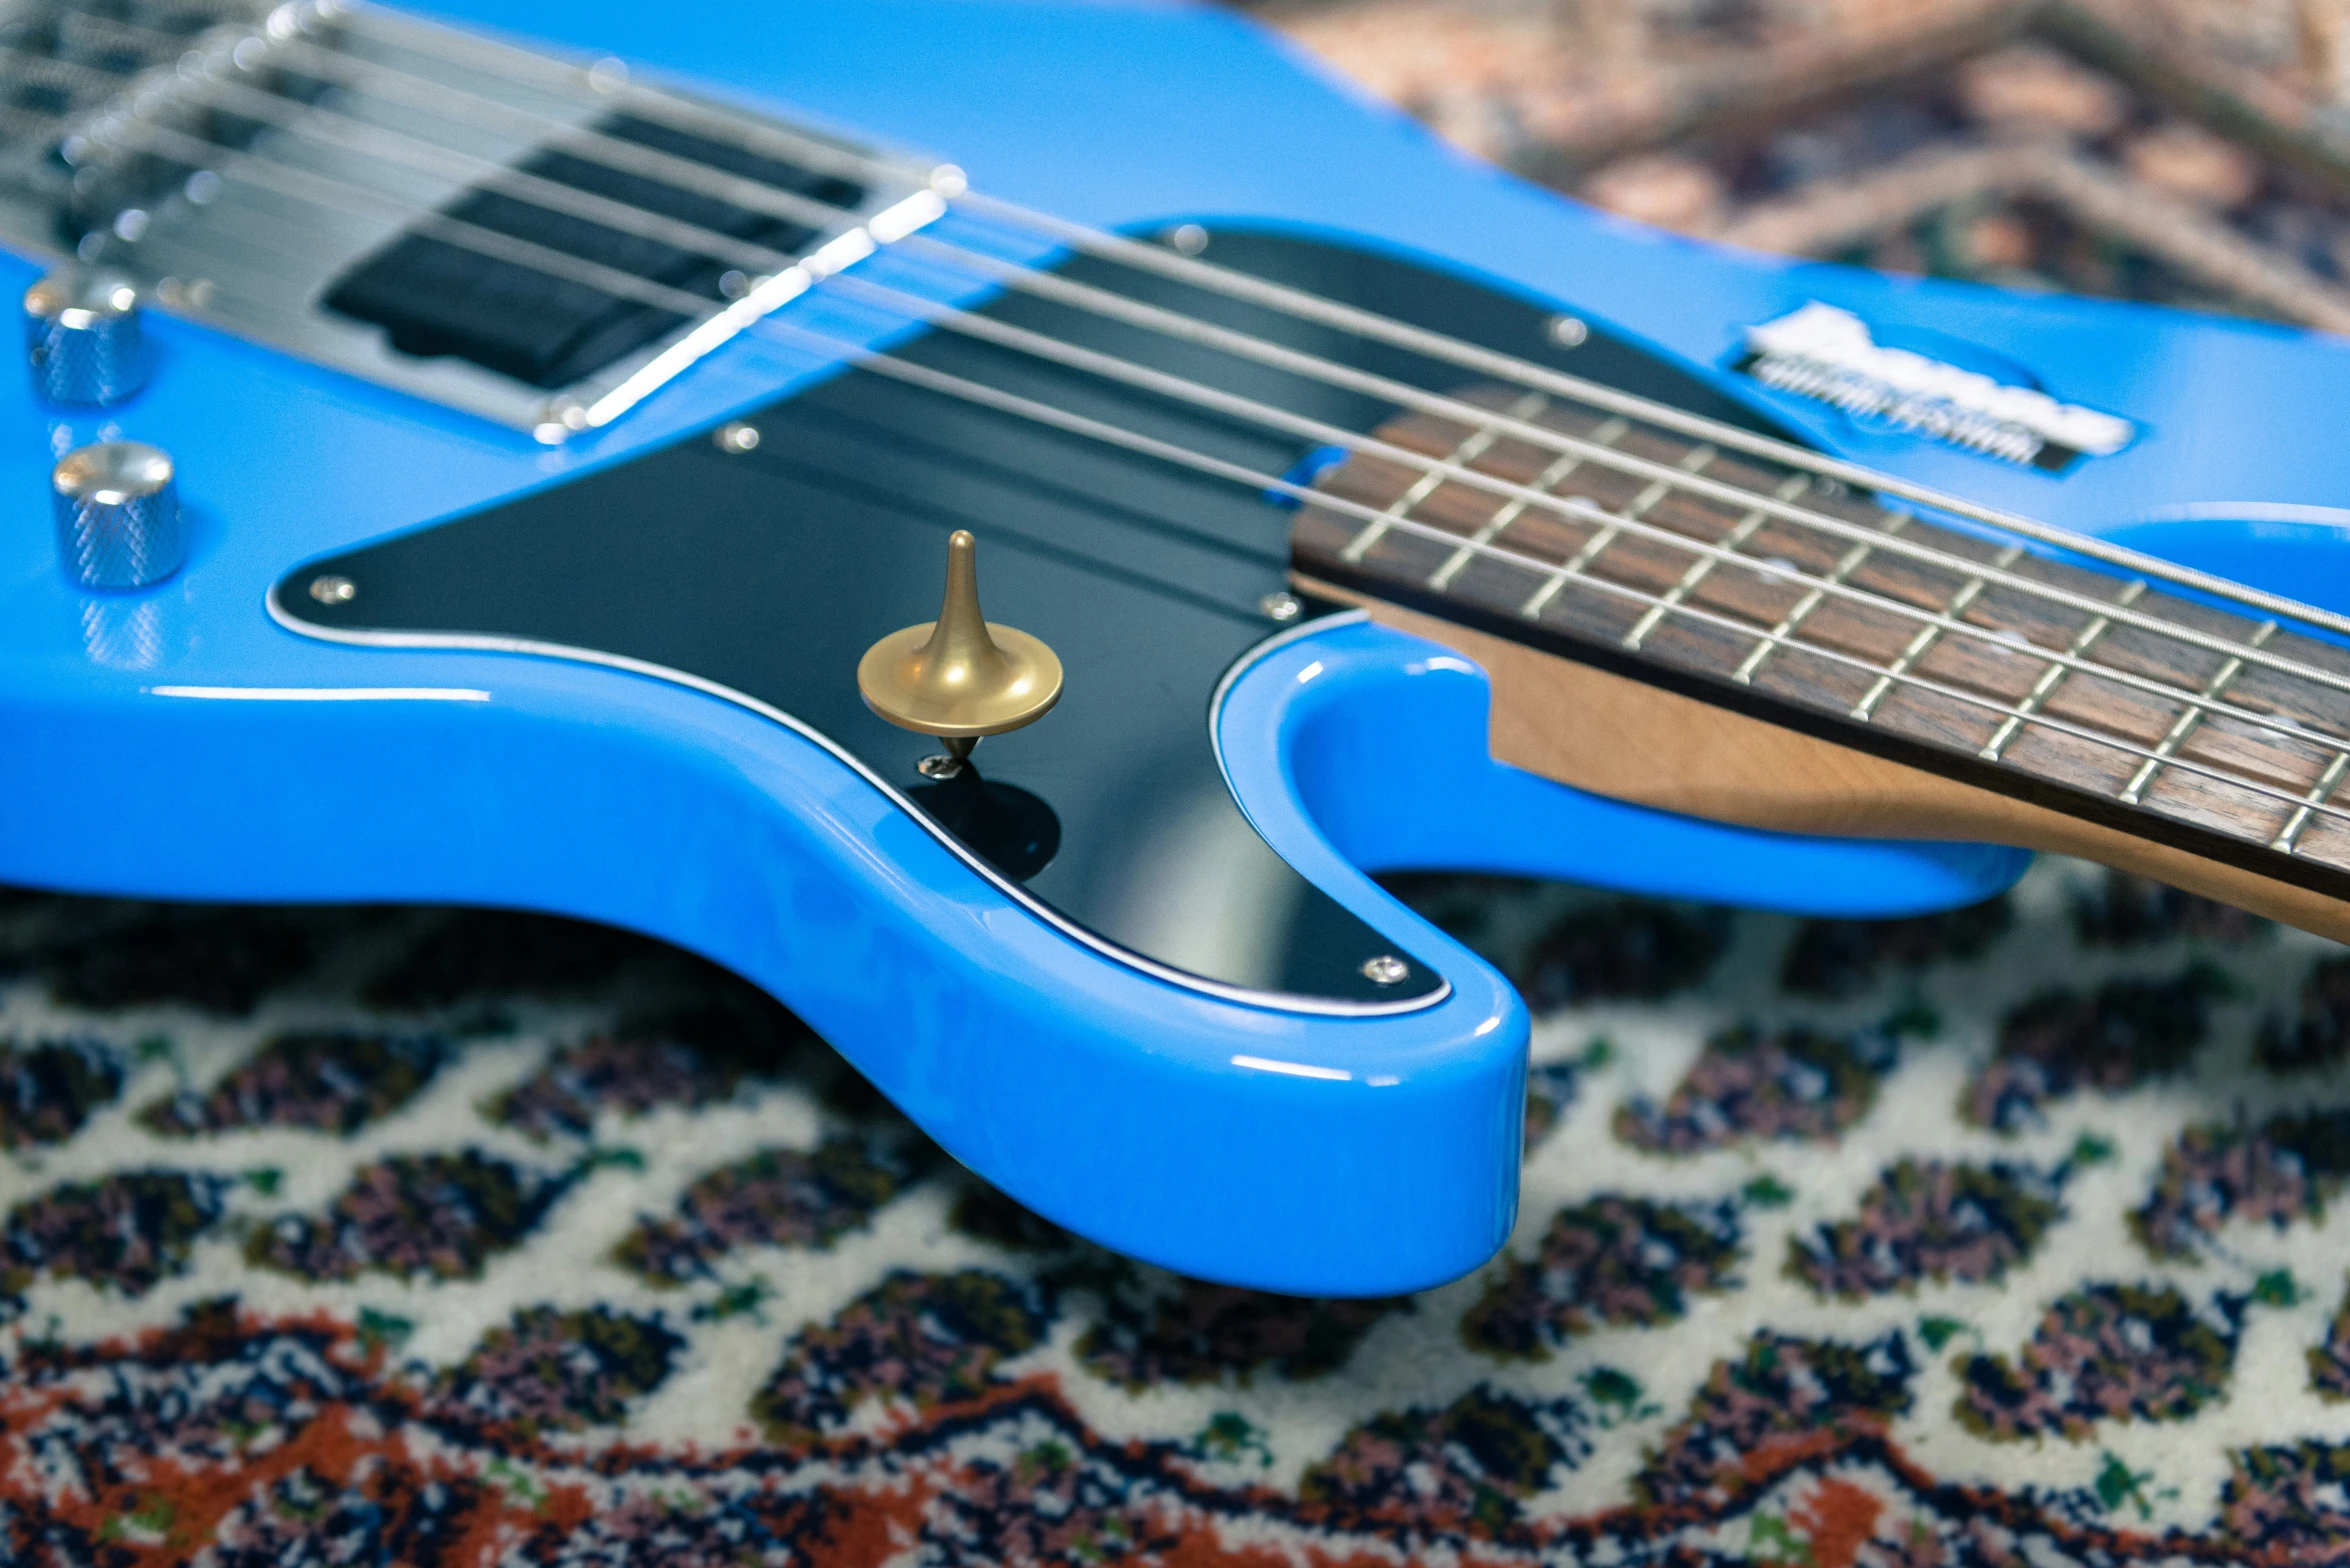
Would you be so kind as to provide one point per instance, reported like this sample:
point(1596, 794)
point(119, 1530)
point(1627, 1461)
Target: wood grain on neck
point(1631, 665)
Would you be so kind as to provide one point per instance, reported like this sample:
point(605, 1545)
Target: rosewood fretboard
point(1791, 597)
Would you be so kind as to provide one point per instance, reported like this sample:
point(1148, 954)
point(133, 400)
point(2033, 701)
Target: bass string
point(517, 64)
point(552, 196)
point(1102, 302)
point(293, 181)
point(394, 86)
point(829, 348)
point(632, 158)
point(1110, 367)
point(1534, 377)
point(602, 82)
point(454, 231)
point(635, 159)
point(685, 113)
point(522, 253)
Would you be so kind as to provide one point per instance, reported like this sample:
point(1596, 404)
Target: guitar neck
point(1710, 631)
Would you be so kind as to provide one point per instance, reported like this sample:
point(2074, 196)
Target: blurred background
point(2189, 152)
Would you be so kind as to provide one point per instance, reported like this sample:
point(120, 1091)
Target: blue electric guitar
point(454, 465)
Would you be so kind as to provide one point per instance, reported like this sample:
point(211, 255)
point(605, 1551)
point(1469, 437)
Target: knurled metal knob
point(118, 515)
point(82, 337)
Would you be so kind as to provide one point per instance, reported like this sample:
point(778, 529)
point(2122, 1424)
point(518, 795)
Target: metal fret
point(1608, 533)
point(1684, 476)
point(825, 346)
point(1547, 483)
point(1552, 438)
point(2054, 675)
point(1531, 433)
point(1475, 445)
point(1680, 477)
point(1510, 370)
point(1923, 642)
point(2289, 841)
point(1703, 566)
point(2191, 719)
point(1781, 634)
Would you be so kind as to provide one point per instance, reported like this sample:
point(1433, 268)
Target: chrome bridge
point(538, 240)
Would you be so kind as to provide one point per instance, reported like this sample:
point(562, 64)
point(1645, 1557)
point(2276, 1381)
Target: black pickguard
point(771, 571)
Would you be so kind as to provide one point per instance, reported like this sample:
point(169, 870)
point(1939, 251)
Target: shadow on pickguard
point(1011, 829)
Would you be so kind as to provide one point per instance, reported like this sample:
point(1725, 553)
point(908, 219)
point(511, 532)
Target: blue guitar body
point(187, 743)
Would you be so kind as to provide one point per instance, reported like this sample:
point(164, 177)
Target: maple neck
point(1775, 592)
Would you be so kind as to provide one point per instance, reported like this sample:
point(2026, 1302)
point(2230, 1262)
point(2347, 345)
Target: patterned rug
point(422, 1237)
point(2189, 152)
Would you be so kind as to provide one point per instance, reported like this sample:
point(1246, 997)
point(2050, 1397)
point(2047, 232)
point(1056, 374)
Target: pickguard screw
point(938, 765)
point(737, 437)
point(1282, 607)
point(1386, 969)
point(1188, 238)
point(333, 590)
point(1569, 331)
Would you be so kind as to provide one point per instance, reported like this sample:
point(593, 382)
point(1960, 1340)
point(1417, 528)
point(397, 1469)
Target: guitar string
point(1587, 451)
point(912, 307)
point(522, 253)
point(1675, 540)
point(292, 181)
point(633, 158)
point(624, 154)
point(983, 328)
point(829, 348)
point(434, 95)
point(685, 113)
point(552, 196)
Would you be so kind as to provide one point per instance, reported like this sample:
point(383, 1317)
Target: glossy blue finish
point(1288, 1152)
point(1234, 1142)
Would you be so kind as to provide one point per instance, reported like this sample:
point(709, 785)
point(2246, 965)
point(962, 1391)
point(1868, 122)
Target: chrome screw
point(333, 590)
point(737, 437)
point(1386, 969)
point(939, 765)
point(1569, 331)
point(1188, 238)
point(1282, 607)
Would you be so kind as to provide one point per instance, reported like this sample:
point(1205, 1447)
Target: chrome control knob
point(82, 336)
point(118, 515)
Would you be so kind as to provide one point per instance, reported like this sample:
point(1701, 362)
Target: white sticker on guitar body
point(1831, 356)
